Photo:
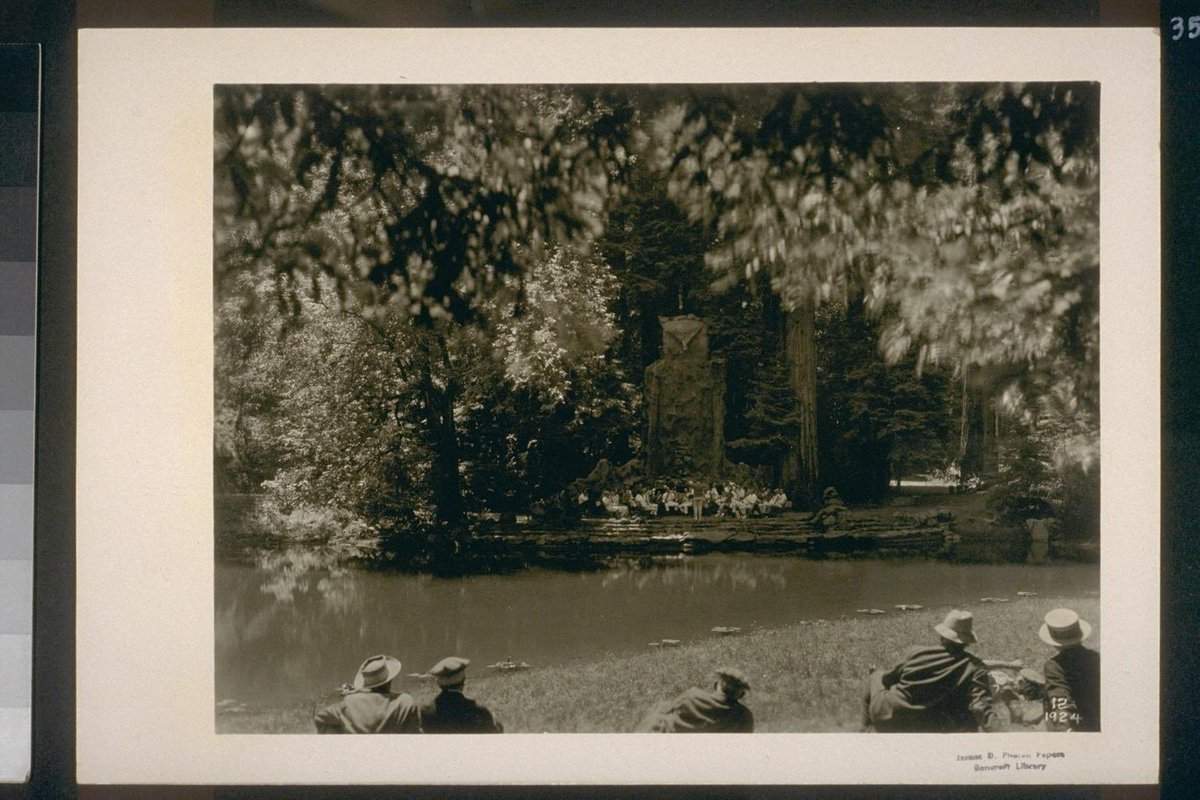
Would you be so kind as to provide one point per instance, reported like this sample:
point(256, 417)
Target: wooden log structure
point(899, 535)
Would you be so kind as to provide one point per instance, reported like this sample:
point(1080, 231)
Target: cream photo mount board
point(144, 606)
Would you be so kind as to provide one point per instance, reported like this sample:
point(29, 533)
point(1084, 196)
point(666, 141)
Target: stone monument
point(685, 403)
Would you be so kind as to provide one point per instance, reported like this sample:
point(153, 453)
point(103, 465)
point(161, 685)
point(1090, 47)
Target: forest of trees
point(435, 301)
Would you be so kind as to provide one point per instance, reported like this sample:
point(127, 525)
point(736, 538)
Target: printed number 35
point(1193, 28)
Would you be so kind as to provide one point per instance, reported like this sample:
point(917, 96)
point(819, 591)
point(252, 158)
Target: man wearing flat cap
point(936, 689)
point(716, 708)
point(451, 711)
point(1072, 676)
point(371, 706)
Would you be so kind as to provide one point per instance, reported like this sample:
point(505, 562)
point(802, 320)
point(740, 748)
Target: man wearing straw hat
point(1072, 675)
point(371, 706)
point(451, 711)
point(937, 689)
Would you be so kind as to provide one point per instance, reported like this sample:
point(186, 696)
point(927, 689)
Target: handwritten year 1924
point(1178, 27)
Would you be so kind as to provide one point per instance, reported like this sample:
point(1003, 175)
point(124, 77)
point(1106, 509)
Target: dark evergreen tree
point(657, 255)
point(771, 421)
point(877, 421)
point(745, 330)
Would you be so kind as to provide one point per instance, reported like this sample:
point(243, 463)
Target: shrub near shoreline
point(806, 677)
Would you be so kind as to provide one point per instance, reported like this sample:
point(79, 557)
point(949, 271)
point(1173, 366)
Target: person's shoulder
point(744, 718)
point(330, 711)
point(483, 718)
point(1053, 667)
point(469, 704)
point(403, 700)
point(484, 712)
point(1080, 657)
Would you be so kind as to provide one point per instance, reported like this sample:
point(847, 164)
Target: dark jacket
point(699, 711)
point(452, 712)
point(937, 689)
point(1073, 690)
point(369, 712)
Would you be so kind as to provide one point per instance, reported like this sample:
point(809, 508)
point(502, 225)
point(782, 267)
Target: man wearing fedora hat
point(937, 689)
point(371, 706)
point(452, 711)
point(1072, 675)
point(716, 708)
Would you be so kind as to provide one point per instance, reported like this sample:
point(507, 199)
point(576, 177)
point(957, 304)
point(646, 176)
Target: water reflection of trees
point(296, 572)
point(690, 572)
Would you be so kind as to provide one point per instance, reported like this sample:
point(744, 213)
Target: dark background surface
point(53, 25)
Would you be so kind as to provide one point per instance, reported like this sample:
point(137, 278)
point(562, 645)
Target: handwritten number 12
point(1193, 28)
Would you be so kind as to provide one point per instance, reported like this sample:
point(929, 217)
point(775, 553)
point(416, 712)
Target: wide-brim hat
point(959, 626)
point(1063, 628)
point(376, 671)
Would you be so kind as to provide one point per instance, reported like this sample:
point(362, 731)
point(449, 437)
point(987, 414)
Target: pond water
point(294, 626)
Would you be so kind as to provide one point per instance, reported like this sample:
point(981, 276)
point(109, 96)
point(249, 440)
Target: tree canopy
point(438, 300)
point(420, 196)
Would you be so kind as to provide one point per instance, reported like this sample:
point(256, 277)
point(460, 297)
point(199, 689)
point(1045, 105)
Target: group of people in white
point(726, 499)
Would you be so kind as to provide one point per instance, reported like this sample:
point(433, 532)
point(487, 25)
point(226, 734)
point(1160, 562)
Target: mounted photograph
point(555, 388)
point(656, 408)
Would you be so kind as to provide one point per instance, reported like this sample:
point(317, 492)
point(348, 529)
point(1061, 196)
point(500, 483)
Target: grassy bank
point(805, 677)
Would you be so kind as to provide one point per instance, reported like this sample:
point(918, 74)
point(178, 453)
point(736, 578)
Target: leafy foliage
point(1001, 266)
point(1042, 475)
point(551, 402)
point(349, 413)
point(561, 327)
point(331, 411)
point(421, 196)
point(796, 191)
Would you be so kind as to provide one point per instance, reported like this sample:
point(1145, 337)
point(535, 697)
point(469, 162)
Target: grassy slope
point(805, 677)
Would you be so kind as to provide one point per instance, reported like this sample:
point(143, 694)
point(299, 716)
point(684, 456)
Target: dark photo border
point(54, 24)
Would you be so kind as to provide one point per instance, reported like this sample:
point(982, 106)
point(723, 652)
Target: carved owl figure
point(685, 336)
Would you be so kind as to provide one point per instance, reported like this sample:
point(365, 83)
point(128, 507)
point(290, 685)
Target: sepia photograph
point(657, 408)
point(571, 385)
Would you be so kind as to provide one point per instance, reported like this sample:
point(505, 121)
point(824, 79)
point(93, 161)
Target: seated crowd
point(725, 499)
point(937, 688)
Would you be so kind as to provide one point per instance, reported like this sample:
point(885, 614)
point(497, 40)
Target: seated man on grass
point(452, 711)
point(1072, 701)
point(714, 709)
point(936, 689)
point(370, 706)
